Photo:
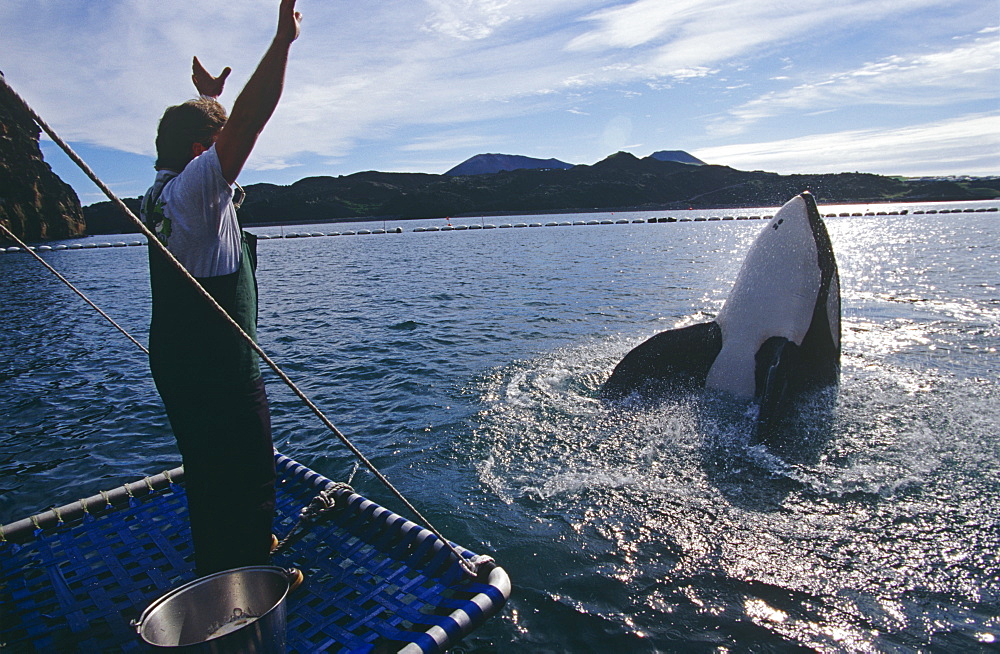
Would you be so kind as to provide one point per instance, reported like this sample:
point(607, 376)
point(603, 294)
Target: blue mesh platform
point(374, 581)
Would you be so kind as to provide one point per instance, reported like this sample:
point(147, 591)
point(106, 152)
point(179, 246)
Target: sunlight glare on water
point(876, 531)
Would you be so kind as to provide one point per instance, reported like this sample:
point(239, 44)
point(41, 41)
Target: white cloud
point(963, 73)
point(966, 145)
point(638, 23)
point(450, 141)
point(101, 73)
point(683, 35)
point(264, 163)
point(468, 19)
point(351, 76)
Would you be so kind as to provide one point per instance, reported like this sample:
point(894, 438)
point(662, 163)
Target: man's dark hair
point(183, 125)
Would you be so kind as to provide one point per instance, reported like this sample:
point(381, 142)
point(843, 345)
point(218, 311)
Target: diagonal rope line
point(470, 568)
point(73, 288)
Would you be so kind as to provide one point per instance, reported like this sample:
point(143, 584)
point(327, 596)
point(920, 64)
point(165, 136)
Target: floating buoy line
point(91, 245)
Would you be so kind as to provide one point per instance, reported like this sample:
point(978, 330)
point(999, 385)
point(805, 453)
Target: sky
point(893, 87)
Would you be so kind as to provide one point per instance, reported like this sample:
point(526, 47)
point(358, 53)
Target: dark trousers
point(224, 436)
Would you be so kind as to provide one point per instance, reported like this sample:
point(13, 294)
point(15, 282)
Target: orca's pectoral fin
point(677, 358)
point(777, 365)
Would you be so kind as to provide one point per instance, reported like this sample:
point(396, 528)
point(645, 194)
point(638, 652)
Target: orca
point(776, 337)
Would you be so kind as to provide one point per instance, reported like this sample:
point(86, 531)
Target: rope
point(319, 508)
point(469, 568)
point(65, 281)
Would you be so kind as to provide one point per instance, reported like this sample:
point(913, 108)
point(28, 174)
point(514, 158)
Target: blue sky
point(896, 87)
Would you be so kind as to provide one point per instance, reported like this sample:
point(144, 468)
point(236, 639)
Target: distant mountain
point(485, 164)
point(680, 156)
point(619, 182)
point(107, 218)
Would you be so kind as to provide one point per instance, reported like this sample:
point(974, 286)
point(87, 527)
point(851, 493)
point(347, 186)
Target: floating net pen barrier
point(74, 578)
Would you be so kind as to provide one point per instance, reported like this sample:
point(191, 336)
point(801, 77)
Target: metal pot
point(239, 610)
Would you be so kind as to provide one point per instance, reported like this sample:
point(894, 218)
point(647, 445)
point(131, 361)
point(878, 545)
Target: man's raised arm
point(258, 99)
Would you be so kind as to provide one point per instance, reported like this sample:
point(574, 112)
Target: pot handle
point(294, 577)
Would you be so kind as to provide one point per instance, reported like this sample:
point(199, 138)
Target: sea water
point(466, 365)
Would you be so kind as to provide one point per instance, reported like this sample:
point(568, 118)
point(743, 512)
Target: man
point(207, 376)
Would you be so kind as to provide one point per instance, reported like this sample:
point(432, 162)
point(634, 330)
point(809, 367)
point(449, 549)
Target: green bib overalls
point(210, 383)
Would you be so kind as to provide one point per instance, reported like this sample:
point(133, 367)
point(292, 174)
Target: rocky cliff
point(34, 203)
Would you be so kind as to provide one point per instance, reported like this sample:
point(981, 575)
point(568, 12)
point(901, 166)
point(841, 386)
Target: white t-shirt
point(195, 218)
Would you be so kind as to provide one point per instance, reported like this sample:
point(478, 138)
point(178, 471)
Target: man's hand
point(288, 22)
point(206, 84)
